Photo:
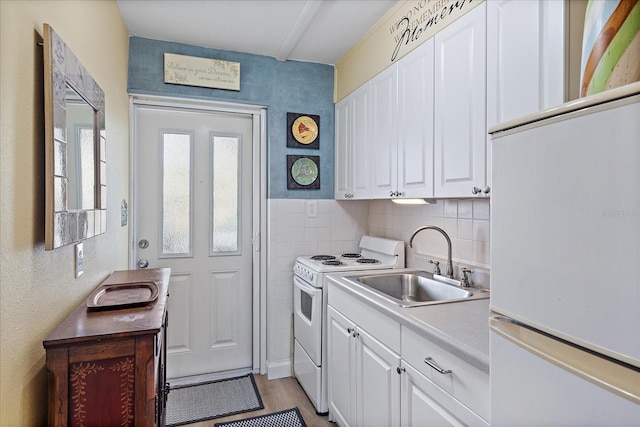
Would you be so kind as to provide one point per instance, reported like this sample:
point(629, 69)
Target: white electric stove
point(310, 306)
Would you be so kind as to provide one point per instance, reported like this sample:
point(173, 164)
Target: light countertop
point(461, 328)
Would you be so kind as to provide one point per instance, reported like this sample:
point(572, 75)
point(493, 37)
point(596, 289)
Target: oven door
point(307, 318)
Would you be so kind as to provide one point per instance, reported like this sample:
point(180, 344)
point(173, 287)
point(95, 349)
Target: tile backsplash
point(465, 221)
point(335, 227)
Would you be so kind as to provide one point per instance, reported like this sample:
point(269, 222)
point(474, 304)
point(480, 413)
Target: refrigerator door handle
point(621, 379)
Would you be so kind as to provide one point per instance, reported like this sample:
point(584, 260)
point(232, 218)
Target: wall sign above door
point(203, 72)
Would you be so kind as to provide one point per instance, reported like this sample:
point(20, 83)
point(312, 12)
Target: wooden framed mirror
point(75, 148)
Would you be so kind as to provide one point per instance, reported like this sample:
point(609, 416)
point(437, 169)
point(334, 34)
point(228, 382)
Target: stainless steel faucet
point(446, 236)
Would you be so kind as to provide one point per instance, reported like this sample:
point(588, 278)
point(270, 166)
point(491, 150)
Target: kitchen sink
point(412, 289)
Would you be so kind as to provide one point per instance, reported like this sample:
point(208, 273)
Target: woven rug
point(289, 418)
point(199, 402)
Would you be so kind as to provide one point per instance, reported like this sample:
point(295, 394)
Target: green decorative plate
point(304, 171)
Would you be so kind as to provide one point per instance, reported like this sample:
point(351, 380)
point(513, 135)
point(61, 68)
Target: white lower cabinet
point(438, 385)
point(364, 385)
point(377, 374)
point(425, 404)
point(341, 377)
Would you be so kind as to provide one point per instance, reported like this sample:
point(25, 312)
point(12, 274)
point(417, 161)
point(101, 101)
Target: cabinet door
point(384, 134)
point(460, 94)
point(378, 383)
point(517, 83)
point(352, 177)
point(162, 387)
point(344, 148)
point(415, 122)
point(425, 404)
point(341, 375)
point(361, 140)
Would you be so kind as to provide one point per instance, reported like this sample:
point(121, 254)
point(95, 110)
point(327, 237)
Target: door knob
point(143, 263)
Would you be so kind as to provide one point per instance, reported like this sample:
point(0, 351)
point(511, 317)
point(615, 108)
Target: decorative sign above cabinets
point(420, 20)
point(202, 72)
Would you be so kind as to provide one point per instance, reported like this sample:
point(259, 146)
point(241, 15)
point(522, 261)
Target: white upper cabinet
point(384, 133)
point(525, 58)
point(402, 127)
point(419, 128)
point(415, 122)
point(460, 114)
point(343, 148)
point(352, 177)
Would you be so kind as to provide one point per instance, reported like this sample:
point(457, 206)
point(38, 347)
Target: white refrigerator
point(565, 265)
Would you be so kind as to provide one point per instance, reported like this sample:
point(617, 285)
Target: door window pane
point(176, 193)
point(225, 194)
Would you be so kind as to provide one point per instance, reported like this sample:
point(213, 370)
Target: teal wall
point(289, 86)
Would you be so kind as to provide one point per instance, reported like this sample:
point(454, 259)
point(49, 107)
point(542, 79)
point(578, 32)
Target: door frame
point(259, 221)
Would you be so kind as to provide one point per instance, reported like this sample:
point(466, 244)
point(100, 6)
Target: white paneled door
point(193, 213)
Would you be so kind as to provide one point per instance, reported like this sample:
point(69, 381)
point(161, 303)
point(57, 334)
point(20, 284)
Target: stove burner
point(332, 262)
point(322, 257)
point(351, 255)
point(367, 261)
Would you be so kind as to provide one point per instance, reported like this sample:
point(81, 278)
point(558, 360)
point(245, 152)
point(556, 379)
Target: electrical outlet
point(312, 208)
point(79, 259)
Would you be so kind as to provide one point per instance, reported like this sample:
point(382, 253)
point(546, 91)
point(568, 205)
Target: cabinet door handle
point(486, 189)
point(350, 330)
point(429, 361)
point(476, 190)
point(400, 370)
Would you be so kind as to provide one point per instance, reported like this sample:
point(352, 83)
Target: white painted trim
point(279, 369)
point(196, 104)
point(298, 29)
point(132, 187)
point(259, 113)
point(263, 243)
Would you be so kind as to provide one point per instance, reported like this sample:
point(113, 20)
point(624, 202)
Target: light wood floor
point(278, 395)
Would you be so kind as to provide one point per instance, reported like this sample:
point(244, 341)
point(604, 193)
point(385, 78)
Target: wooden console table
point(106, 365)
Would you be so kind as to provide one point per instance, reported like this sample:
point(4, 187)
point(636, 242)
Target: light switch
point(312, 208)
point(79, 259)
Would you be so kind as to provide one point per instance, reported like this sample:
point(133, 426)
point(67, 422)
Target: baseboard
point(279, 369)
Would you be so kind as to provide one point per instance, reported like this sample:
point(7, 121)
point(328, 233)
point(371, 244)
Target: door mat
point(290, 418)
point(200, 402)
